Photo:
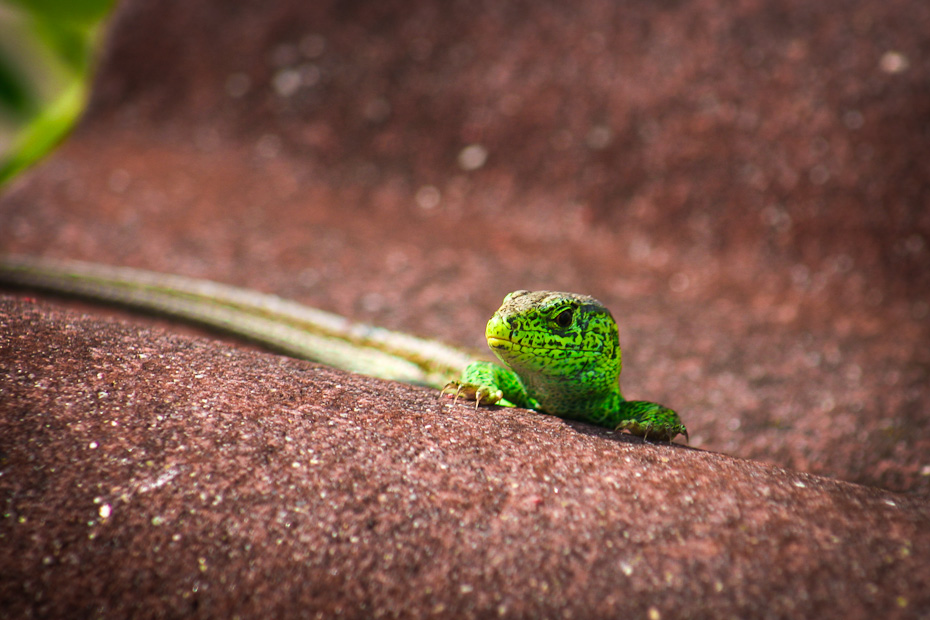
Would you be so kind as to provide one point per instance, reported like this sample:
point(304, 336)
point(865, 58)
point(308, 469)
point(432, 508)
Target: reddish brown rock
point(150, 474)
point(745, 186)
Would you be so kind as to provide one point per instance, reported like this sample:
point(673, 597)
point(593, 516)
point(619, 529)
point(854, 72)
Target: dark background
point(744, 184)
point(746, 187)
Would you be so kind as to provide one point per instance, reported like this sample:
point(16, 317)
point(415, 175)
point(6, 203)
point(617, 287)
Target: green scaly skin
point(562, 353)
point(561, 349)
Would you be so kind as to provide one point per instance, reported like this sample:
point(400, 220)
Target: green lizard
point(562, 357)
point(561, 350)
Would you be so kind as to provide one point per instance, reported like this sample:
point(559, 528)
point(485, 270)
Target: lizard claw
point(483, 395)
point(658, 432)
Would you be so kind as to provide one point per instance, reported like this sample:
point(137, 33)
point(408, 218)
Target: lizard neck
point(573, 399)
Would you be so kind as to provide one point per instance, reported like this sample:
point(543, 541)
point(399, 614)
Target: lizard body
point(562, 353)
point(561, 350)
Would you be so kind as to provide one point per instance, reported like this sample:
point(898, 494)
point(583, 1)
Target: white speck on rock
point(472, 157)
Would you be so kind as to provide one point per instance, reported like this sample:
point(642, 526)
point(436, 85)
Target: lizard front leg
point(490, 384)
point(647, 420)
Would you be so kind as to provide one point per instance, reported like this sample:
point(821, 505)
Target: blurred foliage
point(47, 49)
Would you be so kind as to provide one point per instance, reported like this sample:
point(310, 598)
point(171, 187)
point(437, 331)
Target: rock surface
point(744, 186)
point(149, 474)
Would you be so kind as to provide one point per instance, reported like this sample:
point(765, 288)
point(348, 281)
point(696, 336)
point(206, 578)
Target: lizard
point(560, 351)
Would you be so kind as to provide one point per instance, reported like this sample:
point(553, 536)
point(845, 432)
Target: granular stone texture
point(153, 475)
point(745, 185)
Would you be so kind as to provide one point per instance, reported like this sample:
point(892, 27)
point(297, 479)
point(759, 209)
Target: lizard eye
point(564, 318)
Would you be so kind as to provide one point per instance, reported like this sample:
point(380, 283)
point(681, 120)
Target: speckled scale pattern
point(562, 352)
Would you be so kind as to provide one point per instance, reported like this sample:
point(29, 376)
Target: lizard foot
point(481, 394)
point(649, 430)
point(650, 421)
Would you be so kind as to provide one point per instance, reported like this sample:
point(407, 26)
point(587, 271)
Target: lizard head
point(557, 342)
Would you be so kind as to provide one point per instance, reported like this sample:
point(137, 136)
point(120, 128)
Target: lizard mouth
point(499, 343)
